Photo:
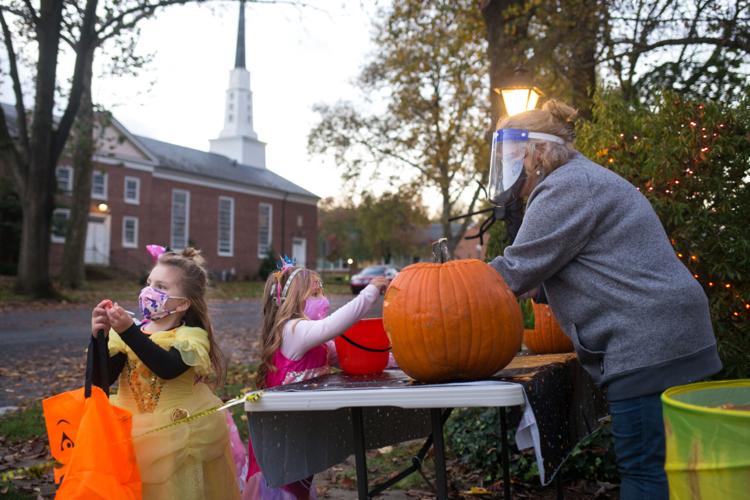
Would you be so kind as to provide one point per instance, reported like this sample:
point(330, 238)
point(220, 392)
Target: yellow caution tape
point(252, 397)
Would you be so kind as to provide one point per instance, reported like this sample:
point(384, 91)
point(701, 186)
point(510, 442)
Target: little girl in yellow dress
point(162, 367)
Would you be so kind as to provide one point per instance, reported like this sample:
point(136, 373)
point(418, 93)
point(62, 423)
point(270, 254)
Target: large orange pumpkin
point(452, 321)
point(547, 337)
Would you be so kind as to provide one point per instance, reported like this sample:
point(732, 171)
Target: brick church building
point(225, 202)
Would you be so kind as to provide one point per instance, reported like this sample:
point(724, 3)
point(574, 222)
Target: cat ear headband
point(157, 251)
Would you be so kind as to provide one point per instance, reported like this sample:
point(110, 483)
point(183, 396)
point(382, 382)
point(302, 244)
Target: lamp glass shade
point(518, 100)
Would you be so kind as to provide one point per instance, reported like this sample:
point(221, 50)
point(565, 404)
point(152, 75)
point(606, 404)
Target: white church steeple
point(238, 139)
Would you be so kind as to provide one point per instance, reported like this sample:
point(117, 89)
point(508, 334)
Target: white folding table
point(394, 389)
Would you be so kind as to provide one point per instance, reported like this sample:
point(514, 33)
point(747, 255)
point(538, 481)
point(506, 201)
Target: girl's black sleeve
point(115, 364)
point(164, 364)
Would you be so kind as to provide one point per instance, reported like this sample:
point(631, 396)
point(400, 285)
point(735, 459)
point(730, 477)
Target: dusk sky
point(297, 56)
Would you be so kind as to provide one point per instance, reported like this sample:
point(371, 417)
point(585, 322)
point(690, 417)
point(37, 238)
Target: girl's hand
point(118, 318)
point(99, 319)
point(381, 282)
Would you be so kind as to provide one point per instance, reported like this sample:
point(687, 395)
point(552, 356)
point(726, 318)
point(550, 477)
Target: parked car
point(361, 280)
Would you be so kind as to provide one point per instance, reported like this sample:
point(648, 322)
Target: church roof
point(199, 163)
point(203, 164)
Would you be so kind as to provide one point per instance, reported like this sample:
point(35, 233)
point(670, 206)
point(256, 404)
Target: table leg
point(505, 452)
point(436, 416)
point(359, 453)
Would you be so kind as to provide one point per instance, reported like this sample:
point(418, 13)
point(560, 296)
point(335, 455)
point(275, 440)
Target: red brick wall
point(154, 223)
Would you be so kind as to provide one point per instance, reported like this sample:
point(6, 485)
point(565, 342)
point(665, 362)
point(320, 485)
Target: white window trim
point(69, 188)
point(59, 239)
point(125, 243)
point(230, 253)
point(262, 254)
point(137, 199)
point(187, 219)
point(106, 182)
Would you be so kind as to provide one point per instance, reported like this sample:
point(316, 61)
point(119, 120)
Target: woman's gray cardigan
point(638, 319)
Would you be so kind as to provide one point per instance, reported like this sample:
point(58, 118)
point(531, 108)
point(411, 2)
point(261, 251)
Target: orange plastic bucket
point(363, 348)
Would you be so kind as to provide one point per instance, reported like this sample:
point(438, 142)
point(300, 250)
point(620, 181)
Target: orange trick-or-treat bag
point(91, 439)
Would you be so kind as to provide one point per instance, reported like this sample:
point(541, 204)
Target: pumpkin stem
point(440, 251)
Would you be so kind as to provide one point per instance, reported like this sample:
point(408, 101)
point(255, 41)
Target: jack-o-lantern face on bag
point(62, 416)
point(66, 443)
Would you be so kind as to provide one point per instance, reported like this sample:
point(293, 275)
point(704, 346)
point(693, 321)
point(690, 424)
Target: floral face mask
point(153, 303)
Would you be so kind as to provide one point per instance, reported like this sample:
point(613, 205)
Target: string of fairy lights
point(706, 140)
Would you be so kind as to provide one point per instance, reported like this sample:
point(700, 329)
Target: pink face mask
point(317, 307)
point(153, 303)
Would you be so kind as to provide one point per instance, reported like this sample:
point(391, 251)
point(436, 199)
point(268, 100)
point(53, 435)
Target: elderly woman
point(592, 243)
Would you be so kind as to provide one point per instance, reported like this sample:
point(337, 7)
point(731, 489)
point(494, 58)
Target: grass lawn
point(23, 424)
point(127, 289)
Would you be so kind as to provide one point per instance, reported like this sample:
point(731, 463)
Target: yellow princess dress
point(186, 461)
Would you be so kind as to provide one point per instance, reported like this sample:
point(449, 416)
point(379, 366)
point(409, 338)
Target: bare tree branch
point(87, 43)
point(9, 155)
point(720, 42)
point(23, 134)
point(32, 11)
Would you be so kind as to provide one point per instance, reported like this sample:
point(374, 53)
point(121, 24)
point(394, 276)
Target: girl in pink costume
point(297, 345)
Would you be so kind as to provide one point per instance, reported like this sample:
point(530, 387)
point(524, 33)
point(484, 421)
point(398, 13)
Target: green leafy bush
point(692, 161)
point(267, 265)
point(473, 436)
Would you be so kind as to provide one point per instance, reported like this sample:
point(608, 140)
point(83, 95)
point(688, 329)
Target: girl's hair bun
point(195, 255)
point(560, 111)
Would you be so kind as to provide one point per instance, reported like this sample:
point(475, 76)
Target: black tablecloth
point(293, 445)
point(566, 403)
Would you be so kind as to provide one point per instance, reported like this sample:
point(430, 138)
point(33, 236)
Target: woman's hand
point(99, 319)
point(118, 318)
point(381, 282)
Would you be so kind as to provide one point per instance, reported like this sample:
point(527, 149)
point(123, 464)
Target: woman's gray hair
point(555, 118)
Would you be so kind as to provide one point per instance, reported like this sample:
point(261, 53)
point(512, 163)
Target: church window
point(226, 226)
point(99, 185)
point(265, 221)
point(180, 219)
point(60, 218)
point(130, 232)
point(64, 176)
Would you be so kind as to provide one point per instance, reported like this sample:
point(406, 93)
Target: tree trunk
point(39, 179)
point(505, 57)
point(502, 48)
point(583, 51)
point(73, 272)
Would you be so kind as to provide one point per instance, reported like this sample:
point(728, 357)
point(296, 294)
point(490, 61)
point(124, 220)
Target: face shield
point(509, 149)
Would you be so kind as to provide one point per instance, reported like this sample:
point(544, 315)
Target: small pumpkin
point(452, 321)
point(547, 337)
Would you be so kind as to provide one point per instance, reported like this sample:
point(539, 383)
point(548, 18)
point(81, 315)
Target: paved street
point(41, 351)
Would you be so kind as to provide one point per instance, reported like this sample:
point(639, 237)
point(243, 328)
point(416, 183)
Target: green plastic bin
point(707, 429)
